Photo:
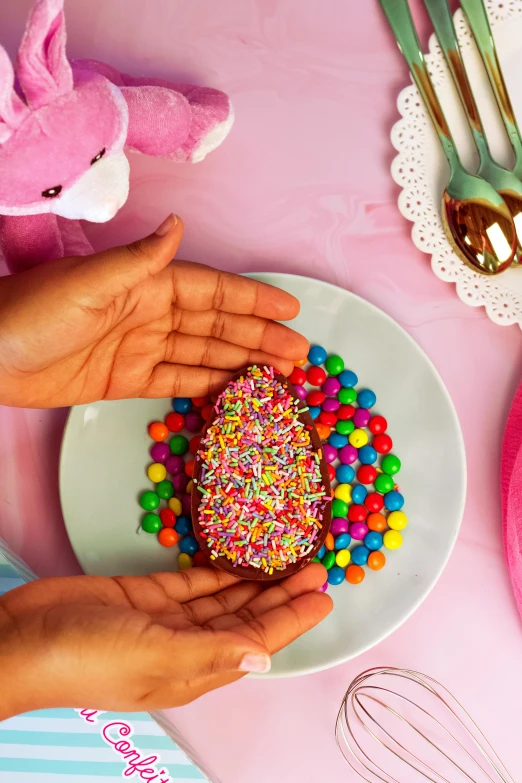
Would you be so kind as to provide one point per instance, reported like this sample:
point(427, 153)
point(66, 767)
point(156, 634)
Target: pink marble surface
point(302, 185)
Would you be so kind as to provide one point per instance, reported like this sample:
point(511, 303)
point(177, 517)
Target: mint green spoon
point(505, 182)
point(475, 217)
point(479, 24)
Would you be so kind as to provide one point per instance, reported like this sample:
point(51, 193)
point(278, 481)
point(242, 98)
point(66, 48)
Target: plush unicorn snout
point(98, 194)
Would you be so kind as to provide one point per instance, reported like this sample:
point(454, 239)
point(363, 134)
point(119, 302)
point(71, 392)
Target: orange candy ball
point(377, 522)
point(301, 362)
point(158, 431)
point(168, 537)
point(354, 574)
point(376, 561)
point(323, 431)
point(329, 541)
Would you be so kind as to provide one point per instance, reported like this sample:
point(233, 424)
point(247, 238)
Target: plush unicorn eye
point(52, 192)
point(98, 156)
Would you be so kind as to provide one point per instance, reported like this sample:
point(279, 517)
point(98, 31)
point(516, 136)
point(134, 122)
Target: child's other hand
point(145, 643)
point(128, 323)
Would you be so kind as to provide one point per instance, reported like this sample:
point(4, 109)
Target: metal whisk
point(400, 726)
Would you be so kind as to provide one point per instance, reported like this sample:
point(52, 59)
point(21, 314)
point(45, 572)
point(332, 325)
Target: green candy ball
point(149, 501)
point(334, 365)
point(391, 464)
point(346, 396)
point(179, 444)
point(345, 427)
point(151, 523)
point(165, 490)
point(339, 508)
point(383, 483)
point(328, 560)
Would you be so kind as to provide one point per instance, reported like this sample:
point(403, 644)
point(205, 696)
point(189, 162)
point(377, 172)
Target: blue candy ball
point(348, 379)
point(345, 474)
point(360, 555)
point(337, 441)
point(366, 398)
point(367, 455)
point(342, 541)
point(317, 355)
point(336, 575)
point(359, 494)
point(393, 500)
point(373, 540)
point(314, 412)
point(321, 552)
point(183, 526)
point(189, 545)
point(182, 404)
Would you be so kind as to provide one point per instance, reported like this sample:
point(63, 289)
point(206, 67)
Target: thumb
point(123, 268)
point(203, 654)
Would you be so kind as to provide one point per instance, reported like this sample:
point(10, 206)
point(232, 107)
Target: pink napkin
point(511, 491)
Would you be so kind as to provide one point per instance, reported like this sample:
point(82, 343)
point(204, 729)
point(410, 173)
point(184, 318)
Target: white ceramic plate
point(106, 449)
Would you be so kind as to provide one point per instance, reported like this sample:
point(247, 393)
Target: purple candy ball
point(160, 452)
point(338, 526)
point(361, 417)
point(331, 386)
point(193, 422)
point(185, 504)
point(175, 464)
point(180, 481)
point(301, 392)
point(358, 530)
point(348, 454)
point(330, 405)
point(330, 452)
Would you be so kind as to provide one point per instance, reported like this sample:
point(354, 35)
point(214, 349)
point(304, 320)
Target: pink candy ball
point(180, 481)
point(330, 453)
point(361, 417)
point(338, 526)
point(348, 454)
point(301, 392)
point(331, 386)
point(358, 530)
point(193, 422)
point(160, 452)
point(330, 405)
point(175, 464)
point(323, 588)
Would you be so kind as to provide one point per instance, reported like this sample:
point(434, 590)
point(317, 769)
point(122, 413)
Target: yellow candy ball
point(157, 472)
point(343, 492)
point(184, 561)
point(175, 506)
point(358, 438)
point(392, 539)
point(343, 557)
point(397, 520)
point(190, 486)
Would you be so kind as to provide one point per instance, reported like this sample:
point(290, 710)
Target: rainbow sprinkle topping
point(262, 492)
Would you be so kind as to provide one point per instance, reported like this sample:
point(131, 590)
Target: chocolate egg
point(261, 503)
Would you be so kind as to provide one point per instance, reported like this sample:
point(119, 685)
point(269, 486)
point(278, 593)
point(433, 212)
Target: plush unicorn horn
point(63, 139)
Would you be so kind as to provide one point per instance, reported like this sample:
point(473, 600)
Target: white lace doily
point(421, 169)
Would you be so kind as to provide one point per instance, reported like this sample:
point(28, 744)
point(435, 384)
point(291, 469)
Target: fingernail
point(255, 662)
point(167, 225)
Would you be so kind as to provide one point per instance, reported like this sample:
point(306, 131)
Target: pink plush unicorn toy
point(64, 130)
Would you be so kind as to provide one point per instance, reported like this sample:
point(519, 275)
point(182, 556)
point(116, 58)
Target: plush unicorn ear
point(42, 66)
point(12, 109)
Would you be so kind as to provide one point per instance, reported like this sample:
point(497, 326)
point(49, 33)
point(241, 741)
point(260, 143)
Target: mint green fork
point(475, 12)
point(505, 182)
point(475, 217)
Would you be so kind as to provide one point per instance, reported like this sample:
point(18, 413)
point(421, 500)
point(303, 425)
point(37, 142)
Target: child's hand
point(145, 643)
point(127, 323)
